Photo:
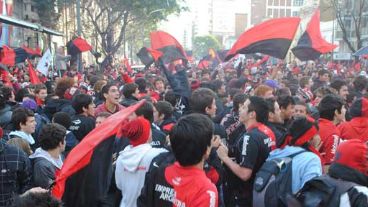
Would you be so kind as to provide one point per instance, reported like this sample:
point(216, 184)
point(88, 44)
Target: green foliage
point(202, 44)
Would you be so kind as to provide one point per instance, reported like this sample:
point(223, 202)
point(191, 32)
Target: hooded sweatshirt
point(23, 135)
point(357, 128)
point(131, 167)
point(44, 167)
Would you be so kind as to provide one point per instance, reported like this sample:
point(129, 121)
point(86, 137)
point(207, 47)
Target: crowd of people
point(234, 134)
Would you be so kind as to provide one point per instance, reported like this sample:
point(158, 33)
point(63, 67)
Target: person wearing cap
point(332, 112)
point(357, 127)
point(302, 137)
point(134, 161)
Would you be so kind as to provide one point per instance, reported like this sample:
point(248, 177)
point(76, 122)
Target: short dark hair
point(328, 105)
point(39, 199)
point(105, 89)
point(304, 81)
point(285, 101)
point(201, 99)
point(7, 92)
point(129, 89)
point(271, 104)
point(2, 100)
point(191, 137)
point(217, 84)
point(63, 119)
point(146, 110)
point(20, 94)
point(170, 97)
point(103, 114)
point(322, 72)
point(233, 91)
point(81, 101)
point(360, 83)
point(39, 87)
point(338, 84)
point(51, 135)
point(142, 84)
point(165, 108)
point(20, 116)
point(238, 99)
point(259, 105)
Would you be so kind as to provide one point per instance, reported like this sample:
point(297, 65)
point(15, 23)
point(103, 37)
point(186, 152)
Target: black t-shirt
point(251, 151)
point(82, 125)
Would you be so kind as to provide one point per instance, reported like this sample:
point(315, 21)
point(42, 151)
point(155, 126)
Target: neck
point(199, 165)
point(250, 123)
point(110, 106)
point(55, 153)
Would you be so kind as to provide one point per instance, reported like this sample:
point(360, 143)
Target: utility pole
point(79, 32)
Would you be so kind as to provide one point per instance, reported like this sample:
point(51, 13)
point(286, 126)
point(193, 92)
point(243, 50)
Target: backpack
point(323, 191)
point(273, 182)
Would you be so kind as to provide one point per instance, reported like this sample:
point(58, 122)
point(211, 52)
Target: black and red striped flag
point(311, 44)
point(78, 45)
point(168, 45)
point(272, 37)
point(85, 177)
point(10, 56)
point(148, 56)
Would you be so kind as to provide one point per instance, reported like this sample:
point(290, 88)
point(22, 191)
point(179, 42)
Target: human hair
point(190, 138)
point(51, 136)
point(103, 114)
point(105, 89)
point(21, 144)
point(304, 81)
point(2, 100)
point(165, 108)
point(36, 199)
point(129, 89)
point(260, 107)
point(233, 91)
point(322, 72)
point(63, 119)
point(170, 97)
point(271, 104)
point(142, 84)
point(328, 105)
point(157, 80)
point(360, 83)
point(283, 92)
point(62, 85)
point(97, 87)
point(20, 116)
point(238, 99)
point(261, 90)
point(39, 87)
point(324, 90)
point(81, 101)
point(217, 84)
point(338, 84)
point(285, 101)
point(20, 94)
point(146, 110)
point(201, 99)
point(7, 92)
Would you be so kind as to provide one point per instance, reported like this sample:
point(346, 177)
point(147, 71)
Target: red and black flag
point(10, 56)
point(168, 45)
point(32, 53)
point(86, 174)
point(78, 45)
point(311, 44)
point(33, 77)
point(148, 56)
point(272, 37)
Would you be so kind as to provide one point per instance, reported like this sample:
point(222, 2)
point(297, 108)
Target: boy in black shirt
point(83, 122)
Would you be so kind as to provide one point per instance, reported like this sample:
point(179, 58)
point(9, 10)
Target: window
point(288, 12)
point(277, 2)
point(269, 12)
point(288, 2)
point(298, 2)
point(282, 2)
point(282, 12)
point(275, 13)
point(295, 14)
point(270, 2)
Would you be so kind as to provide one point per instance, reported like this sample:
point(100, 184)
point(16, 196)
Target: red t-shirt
point(330, 137)
point(192, 187)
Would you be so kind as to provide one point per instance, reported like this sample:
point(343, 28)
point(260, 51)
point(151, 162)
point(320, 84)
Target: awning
point(28, 25)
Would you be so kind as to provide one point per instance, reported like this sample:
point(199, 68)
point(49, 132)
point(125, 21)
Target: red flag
point(32, 74)
point(168, 45)
point(82, 44)
point(311, 44)
point(272, 37)
point(127, 65)
point(7, 56)
point(79, 180)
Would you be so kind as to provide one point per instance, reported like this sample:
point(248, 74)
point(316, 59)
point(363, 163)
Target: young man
point(184, 183)
point(47, 159)
point(286, 104)
point(40, 92)
point(131, 93)
point(24, 124)
point(300, 109)
point(275, 123)
point(134, 161)
point(83, 121)
point(322, 80)
point(110, 94)
point(332, 112)
point(163, 115)
point(341, 87)
point(250, 152)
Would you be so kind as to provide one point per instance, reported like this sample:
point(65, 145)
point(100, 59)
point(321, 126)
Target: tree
point(349, 16)
point(46, 10)
point(202, 44)
point(110, 19)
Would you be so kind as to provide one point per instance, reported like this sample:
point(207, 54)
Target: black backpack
point(323, 191)
point(272, 183)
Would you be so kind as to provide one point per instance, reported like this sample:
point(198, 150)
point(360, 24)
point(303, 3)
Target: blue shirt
point(305, 166)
